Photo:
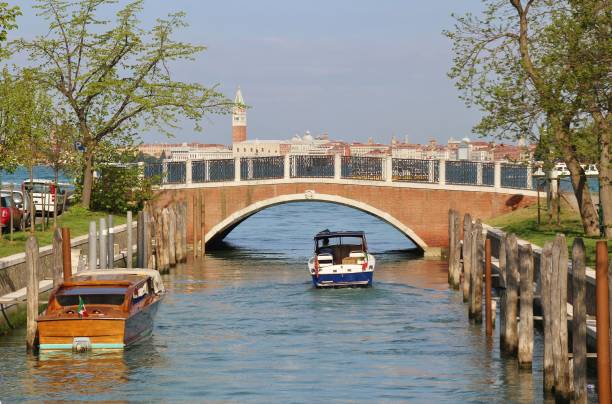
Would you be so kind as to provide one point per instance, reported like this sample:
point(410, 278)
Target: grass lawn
point(524, 223)
point(76, 218)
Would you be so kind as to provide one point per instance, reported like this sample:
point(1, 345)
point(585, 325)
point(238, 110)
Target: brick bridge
point(414, 196)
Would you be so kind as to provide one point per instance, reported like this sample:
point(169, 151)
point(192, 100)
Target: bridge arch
point(221, 229)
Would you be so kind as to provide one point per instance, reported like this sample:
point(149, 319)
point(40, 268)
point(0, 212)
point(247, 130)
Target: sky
point(354, 69)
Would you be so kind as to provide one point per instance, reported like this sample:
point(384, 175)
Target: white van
point(45, 194)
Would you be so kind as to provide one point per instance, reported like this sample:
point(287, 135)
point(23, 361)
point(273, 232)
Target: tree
point(116, 80)
point(8, 15)
point(519, 68)
point(32, 125)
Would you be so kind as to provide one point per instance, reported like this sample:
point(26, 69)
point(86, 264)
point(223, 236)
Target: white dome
point(466, 140)
point(308, 137)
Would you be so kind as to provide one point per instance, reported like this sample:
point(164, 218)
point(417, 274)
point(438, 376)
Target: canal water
point(245, 325)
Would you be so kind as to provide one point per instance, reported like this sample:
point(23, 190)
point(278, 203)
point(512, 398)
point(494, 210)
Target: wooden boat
point(102, 309)
point(340, 259)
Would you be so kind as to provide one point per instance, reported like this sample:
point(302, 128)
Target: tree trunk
point(55, 180)
point(583, 197)
point(587, 211)
point(87, 178)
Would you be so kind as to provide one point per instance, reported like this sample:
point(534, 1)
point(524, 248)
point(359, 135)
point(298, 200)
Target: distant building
point(183, 151)
point(239, 119)
point(407, 151)
point(261, 148)
point(370, 148)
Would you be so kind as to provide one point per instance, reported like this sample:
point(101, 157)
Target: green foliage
point(8, 15)
point(114, 77)
point(120, 188)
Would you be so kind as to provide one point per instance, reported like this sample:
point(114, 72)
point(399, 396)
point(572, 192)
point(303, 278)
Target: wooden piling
point(57, 258)
point(453, 249)
point(475, 307)
point(129, 241)
point(102, 236)
point(172, 235)
point(32, 263)
point(92, 254)
point(502, 290)
point(140, 241)
point(66, 253)
point(150, 257)
point(603, 323)
point(525, 344)
point(194, 232)
point(182, 230)
point(510, 344)
point(579, 325)
point(488, 308)
point(203, 223)
point(110, 260)
point(545, 301)
point(467, 255)
point(559, 323)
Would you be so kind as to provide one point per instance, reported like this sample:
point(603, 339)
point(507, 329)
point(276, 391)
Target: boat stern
point(81, 334)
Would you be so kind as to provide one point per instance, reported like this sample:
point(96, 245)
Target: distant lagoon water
point(39, 172)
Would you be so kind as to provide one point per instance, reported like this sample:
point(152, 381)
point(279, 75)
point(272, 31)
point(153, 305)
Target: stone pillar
point(287, 167)
point(442, 172)
point(529, 176)
point(337, 166)
point(164, 172)
point(479, 173)
point(388, 169)
point(188, 171)
point(237, 169)
point(431, 171)
point(206, 170)
point(497, 175)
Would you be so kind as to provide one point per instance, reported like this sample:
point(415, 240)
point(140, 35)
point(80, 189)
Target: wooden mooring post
point(488, 299)
point(129, 242)
point(525, 343)
point(66, 253)
point(92, 254)
point(546, 269)
point(32, 291)
point(510, 342)
point(110, 260)
point(559, 319)
point(467, 255)
point(57, 257)
point(579, 324)
point(103, 235)
point(603, 323)
point(453, 249)
point(476, 271)
point(502, 290)
point(140, 241)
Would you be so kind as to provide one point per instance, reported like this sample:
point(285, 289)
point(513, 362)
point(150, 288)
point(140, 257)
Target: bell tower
point(239, 119)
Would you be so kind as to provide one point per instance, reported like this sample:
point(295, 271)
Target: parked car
point(7, 208)
point(45, 194)
point(22, 202)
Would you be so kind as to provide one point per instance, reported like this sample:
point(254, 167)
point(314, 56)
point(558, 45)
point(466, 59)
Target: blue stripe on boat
point(348, 279)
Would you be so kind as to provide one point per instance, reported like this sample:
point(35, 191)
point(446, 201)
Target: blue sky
point(352, 68)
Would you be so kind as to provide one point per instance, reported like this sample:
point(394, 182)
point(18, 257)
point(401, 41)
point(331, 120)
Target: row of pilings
point(521, 287)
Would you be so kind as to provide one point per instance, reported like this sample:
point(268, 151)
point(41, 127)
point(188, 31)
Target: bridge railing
point(415, 170)
point(363, 168)
point(304, 166)
point(442, 172)
point(262, 168)
point(212, 170)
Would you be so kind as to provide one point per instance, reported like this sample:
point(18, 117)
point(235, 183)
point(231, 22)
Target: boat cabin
point(103, 294)
point(340, 247)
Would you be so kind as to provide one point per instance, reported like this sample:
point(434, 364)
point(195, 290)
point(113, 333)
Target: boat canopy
point(158, 285)
point(328, 234)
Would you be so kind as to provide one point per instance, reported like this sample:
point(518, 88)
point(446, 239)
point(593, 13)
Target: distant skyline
point(351, 68)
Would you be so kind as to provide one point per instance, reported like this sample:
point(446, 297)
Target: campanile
point(239, 119)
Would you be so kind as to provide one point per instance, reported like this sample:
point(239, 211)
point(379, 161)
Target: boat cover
point(158, 285)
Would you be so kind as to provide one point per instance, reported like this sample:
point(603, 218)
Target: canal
point(245, 325)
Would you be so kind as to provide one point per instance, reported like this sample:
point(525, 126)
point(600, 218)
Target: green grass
point(76, 219)
point(524, 223)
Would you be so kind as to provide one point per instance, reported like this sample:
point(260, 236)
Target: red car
point(5, 214)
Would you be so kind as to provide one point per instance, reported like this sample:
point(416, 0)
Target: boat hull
point(351, 279)
point(102, 333)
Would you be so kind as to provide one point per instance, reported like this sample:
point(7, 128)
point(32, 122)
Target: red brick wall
point(239, 134)
point(425, 211)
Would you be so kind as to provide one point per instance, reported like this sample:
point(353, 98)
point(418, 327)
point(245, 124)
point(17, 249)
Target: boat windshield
point(328, 242)
point(111, 296)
